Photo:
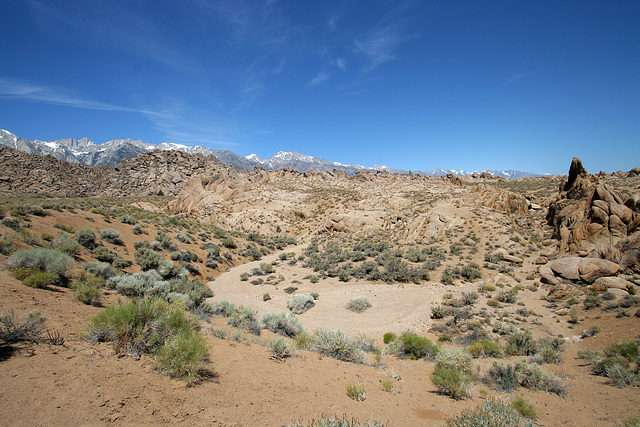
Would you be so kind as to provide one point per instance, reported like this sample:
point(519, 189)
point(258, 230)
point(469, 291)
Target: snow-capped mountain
point(113, 152)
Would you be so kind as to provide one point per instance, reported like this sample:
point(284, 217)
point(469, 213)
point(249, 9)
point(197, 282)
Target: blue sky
point(473, 85)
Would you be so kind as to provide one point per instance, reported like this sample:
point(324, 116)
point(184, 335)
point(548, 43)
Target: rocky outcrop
point(500, 200)
point(156, 172)
point(589, 213)
point(577, 269)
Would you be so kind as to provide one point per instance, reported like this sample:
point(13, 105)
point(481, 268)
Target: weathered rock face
point(588, 213)
point(578, 269)
point(500, 200)
point(150, 173)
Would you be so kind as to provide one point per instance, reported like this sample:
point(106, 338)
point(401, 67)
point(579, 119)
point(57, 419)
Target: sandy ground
point(86, 384)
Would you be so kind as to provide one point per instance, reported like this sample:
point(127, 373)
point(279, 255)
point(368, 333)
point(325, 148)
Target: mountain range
point(111, 153)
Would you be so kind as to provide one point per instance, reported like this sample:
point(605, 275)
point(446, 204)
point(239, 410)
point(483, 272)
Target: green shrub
point(103, 254)
point(356, 392)
point(63, 227)
point(626, 349)
point(452, 382)
point(146, 285)
point(282, 323)
point(147, 259)
point(66, 244)
point(389, 336)
point(524, 407)
point(127, 219)
point(184, 238)
point(6, 246)
point(112, 236)
point(49, 260)
point(184, 356)
point(485, 348)
point(150, 326)
point(337, 345)
point(358, 304)
point(29, 238)
point(298, 304)
point(41, 279)
point(88, 293)
point(280, 349)
point(520, 343)
point(491, 413)
point(417, 347)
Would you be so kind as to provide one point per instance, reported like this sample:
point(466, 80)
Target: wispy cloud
point(341, 63)
point(378, 46)
point(178, 122)
point(36, 92)
point(319, 78)
point(520, 76)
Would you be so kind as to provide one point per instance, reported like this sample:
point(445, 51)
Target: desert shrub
point(267, 268)
point(491, 413)
point(146, 258)
point(626, 349)
point(6, 246)
point(439, 312)
point(223, 308)
point(41, 280)
point(358, 304)
point(49, 260)
point(88, 293)
point(229, 243)
point(103, 254)
point(452, 382)
point(520, 343)
point(337, 345)
point(145, 285)
point(100, 269)
point(534, 378)
point(120, 263)
point(524, 407)
point(502, 376)
point(280, 349)
point(244, 277)
point(28, 237)
point(417, 347)
point(303, 341)
point(182, 237)
point(454, 358)
point(150, 326)
point(356, 392)
point(11, 222)
point(29, 329)
point(169, 270)
point(64, 227)
point(244, 318)
point(127, 219)
point(195, 289)
point(137, 229)
point(389, 336)
point(298, 304)
point(508, 297)
point(282, 323)
point(469, 298)
point(333, 421)
point(163, 241)
point(471, 272)
point(485, 348)
point(112, 236)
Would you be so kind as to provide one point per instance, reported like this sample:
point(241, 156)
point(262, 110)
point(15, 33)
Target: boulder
point(567, 267)
point(591, 269)
point(623, 212)
point(611, 282)
point(547, 276)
